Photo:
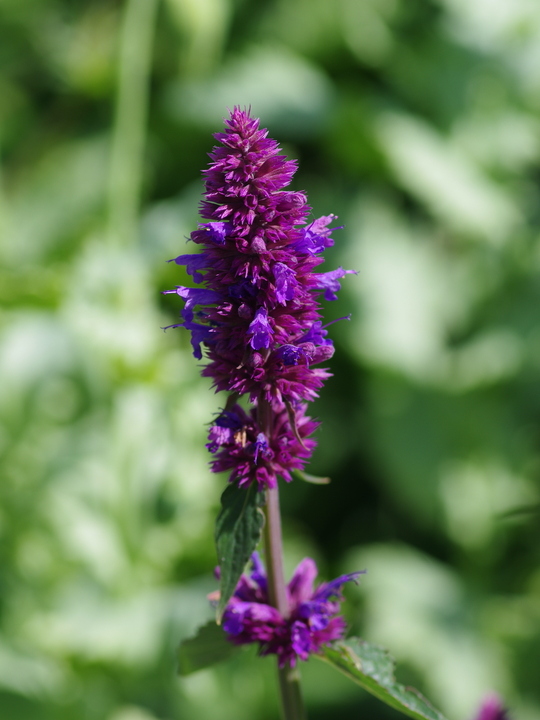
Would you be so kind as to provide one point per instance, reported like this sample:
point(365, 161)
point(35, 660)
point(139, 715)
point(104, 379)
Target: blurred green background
point(415, 121)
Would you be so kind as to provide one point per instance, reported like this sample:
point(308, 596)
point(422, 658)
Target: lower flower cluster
point(312, 622)
point(240, 448)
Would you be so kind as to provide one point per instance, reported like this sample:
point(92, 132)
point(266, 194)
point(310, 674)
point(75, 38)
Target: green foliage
point(415, 121)
point(207, 647)
point(371, 667)
point(238, 532)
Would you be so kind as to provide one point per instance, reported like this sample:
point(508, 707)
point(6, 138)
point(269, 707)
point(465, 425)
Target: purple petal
point(193, 264)
point(291, 354)
point(300, 639)
point(260, 329)
point(258, 573)
point(286, 282)
point(332, 589)
point(246, 592)
point(329, 282)
point(333, 631)
point(301, 584)
point(253, 611)
point(316, 613)
point(316, 335)
point(199, 334)
point(217, 231)
point(316, 236)
point(243, 290)
point(261, 447)
point(218, 436)
point(233, 622)
point(233, 419)
point(320, 225)
point(322, 354)
point(263, 613)
point(193, 297)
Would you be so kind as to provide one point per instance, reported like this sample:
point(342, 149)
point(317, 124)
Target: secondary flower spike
point(259, 301)
point(492, 709)
point(313, 620)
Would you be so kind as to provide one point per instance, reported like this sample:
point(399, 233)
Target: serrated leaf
point(238, 530)
point(207, 647)
point(306, 477)
point(372, 667)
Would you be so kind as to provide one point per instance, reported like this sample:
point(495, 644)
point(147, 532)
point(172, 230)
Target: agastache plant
point(255, 316)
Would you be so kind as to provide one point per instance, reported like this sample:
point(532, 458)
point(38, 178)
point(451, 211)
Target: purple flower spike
point(256, 315)
point(312, 622)
point(492, 709)
point(258, 261)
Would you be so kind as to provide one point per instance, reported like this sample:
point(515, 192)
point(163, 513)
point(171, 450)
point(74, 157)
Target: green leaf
point(372, 667)
point(238, 530)
point(306, 477)
point(207, 647)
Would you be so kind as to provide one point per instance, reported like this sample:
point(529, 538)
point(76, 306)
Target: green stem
point(291, 693)
point(289, 678)
point(274, 553)
point(136, 37)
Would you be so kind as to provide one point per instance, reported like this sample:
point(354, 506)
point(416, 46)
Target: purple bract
point(312, 622)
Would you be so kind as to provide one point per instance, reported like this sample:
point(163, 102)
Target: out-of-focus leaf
point(40, 219)
point(29, 674)
point(372, 667)
point(204, 25)
point(443, 178)
point(280, 86)
point(238, 530)
point(208, 647)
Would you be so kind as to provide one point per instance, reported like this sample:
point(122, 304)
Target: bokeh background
point(415, 121)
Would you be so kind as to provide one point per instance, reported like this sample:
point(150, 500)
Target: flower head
point(312, 621)
point(255, 313)
point(260, 293)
